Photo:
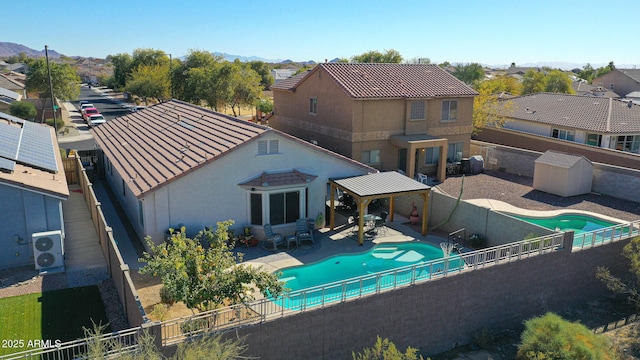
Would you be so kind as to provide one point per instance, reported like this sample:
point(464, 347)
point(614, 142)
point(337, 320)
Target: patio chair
point(381, 224)
point(303, 232)
point(273, 240)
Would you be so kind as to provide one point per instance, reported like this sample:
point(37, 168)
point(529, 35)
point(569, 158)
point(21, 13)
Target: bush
point(552, 337)
point(166, 297)
point(386, 350)
point(59, 123)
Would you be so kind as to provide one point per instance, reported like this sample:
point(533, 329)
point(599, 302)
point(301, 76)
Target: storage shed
point(563, 174)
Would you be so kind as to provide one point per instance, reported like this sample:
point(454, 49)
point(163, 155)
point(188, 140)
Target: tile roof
point(560, 159)
point(365, 81)
point(293, 177)
point(163, 142)
point(583, 88)
point(601, 115)
point(289, 83)
point(168, 140)
point(632, 73)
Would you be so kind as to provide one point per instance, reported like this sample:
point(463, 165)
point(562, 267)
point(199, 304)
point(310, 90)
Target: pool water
point(569, 222)
point(384, 266)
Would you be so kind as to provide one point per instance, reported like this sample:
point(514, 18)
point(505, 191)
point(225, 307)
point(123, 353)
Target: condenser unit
point(48, 250)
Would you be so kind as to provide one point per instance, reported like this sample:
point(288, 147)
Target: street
point(109, 109)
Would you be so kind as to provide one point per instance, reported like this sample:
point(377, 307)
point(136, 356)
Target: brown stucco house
point(410, 117)
point(622, 81)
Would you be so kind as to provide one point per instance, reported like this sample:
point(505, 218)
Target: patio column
point(442, 163)
point(332, 210)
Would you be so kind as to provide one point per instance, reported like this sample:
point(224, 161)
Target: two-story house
point(408, 117)
point(622, 81)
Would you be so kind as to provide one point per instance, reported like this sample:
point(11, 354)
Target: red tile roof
point(165, 141)
point(293, 177)
point(362, 81)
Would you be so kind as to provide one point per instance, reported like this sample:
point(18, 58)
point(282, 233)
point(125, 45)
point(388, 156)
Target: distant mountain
point(231, 57)
point(8, 49)
point(560, 65)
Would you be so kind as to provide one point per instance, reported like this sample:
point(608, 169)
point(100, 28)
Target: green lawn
point(52, 315)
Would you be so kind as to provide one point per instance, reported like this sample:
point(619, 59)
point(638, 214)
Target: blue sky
point(491, 32)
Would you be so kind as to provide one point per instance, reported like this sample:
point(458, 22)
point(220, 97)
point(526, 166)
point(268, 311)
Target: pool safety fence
point(111, 345)
point(606, 235)
point(174, 331)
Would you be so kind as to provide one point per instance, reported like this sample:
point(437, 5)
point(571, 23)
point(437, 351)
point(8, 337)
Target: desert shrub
point(166, 297)
point(552, 337)
point(386, 350)
point(59, 123)
point(211, 347)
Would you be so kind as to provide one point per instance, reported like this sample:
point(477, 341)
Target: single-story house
point(32, 188)
point(603, 122)
point(563, 174)
point(176, 163)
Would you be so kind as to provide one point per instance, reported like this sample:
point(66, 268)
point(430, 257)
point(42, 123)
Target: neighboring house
point(634, 97)
point(6, 98)
point(17, 67)
point(409, 117)
point(14, 82)
point(32, 188)
point(621, 81)
point(282, 74)
point(581, 87)
point(176, 163)
point(601, 122)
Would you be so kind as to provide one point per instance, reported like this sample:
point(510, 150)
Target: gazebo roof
point(382, 184)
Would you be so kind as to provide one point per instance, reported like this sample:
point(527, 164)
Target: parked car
point(135, 108)
point(85, 106)
point(96, 119)
point(82, 102)
point(88, 112)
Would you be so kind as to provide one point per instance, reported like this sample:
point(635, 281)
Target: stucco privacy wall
point(619, 182)
point(24, 213)
point(498, 228)
point(438, 315)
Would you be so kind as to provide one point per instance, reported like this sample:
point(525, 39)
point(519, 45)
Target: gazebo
point(366, 188)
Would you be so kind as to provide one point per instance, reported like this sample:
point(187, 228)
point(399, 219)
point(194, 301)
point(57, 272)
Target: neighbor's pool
point(569, 222)
point(384, 266)
point(587, 229)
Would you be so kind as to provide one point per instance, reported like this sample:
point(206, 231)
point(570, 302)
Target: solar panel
point(9, 140)
point(7, 165)
point(36, 147)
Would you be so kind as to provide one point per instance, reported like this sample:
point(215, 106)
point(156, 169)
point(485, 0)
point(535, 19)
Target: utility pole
point(53, 105)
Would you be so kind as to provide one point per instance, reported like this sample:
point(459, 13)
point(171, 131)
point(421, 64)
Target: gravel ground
point(517, 191)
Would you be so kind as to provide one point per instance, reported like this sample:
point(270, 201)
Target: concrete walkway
point(84, 261)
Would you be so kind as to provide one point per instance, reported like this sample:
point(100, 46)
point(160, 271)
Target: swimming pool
point(587, 229)
point(569, 222)
point(350, 275)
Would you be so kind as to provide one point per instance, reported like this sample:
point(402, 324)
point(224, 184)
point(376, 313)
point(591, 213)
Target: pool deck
point(340, 241)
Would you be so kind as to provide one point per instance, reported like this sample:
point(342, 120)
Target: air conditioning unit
point(48, 250)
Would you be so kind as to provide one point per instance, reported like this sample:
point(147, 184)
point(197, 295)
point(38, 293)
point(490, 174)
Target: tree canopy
point(487, 107)
point(374, 56)
point(554, 81)
point(150, 81)
point(551, 337)
point(23, 110)
point(204, 277)
point(470, 74)
point(64, 80)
